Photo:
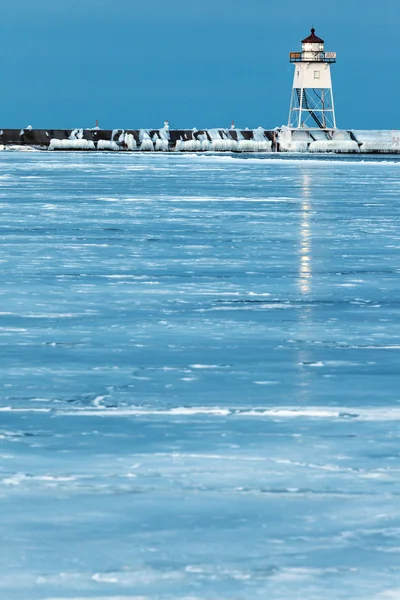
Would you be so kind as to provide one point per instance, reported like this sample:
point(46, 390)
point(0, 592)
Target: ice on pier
point(347, 146)
point(190, 146)
point(318, 140)
point(107, 145)
point(204, 142)
point(216, 140)
point(220, 140)
point(293, 141)
point(259, 135)
point(146, 143)
point(199, 144)
point(130, 141)
point(114, 133)
point(341, 142)
point(164, 132)
point(74, 144)
point(378, 141)
point(259, 143)
point(120, 138)
point(161, 145)
point(76, 134)
point(161, 141)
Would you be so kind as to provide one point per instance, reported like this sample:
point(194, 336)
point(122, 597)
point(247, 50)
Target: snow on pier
point(281, 139)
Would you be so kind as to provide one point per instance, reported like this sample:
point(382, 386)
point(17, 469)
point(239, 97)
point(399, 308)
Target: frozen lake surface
point(199, 378)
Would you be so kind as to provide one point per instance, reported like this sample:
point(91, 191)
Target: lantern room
point(313, 50)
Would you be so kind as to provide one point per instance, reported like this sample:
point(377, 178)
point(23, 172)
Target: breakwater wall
point(145, 140)
point(207, 140)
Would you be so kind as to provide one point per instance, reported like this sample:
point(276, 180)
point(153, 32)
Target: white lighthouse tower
point(312, 104)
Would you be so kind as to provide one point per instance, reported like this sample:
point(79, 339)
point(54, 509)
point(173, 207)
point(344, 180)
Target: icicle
point(145, 141)
point(164, 132)
point(74, 144)
point(161, 145)
point(107, 145)
point(130, 141)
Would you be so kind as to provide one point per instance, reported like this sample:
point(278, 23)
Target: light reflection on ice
point(305, 272)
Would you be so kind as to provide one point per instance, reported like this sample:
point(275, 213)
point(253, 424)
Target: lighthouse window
point(316, 74)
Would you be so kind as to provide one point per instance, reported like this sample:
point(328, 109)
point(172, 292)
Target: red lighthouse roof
point(312, 39)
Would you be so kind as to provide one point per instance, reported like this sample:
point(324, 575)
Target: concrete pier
point(211, 140)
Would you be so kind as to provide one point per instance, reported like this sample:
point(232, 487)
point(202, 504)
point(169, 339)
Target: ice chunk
point(164, 132)
point(74, 144)
point(188, 145)
point(259, 143)
point(161, 145)
point(303, 140)
point(259, 135)
point(145, 141)
point(107, 145)
point(130, 141)
point(205, 143)
point(331, 146)
point(254, 146)
point(76, 134)
point(293, 141)
point(378, 141)
point(320, 135)
point(224, 145)
point(220, 141)
point(16, 148)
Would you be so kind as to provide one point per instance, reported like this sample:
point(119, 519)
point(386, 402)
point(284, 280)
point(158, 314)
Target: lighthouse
point(311, 105)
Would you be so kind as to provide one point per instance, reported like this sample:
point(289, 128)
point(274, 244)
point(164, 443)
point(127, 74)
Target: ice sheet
point(199, 377)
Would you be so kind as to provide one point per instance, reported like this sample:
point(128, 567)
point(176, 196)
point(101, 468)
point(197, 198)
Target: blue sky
point(133, 63)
